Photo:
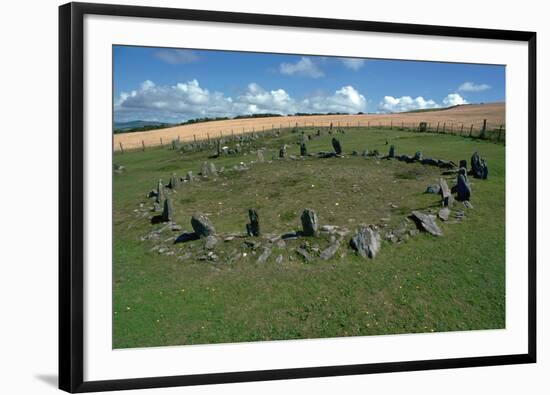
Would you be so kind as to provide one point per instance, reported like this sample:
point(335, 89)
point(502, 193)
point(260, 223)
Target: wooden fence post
point(208, 137)
point(161, 142)
point(471, 128)
point(444, 124)
point(195, 138)
point(483, 129)
point(143, 145)
point(437, 130)
point(391, 125)
point(499, 132)
point(461, 129)
point(121, 148)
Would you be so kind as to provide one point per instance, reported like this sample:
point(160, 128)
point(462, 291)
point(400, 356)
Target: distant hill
point(120, 127)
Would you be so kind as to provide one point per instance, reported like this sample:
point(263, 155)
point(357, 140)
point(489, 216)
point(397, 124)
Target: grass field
point(426, 284)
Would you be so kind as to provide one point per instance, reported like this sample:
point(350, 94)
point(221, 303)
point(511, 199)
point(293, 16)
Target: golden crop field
point(466, 115)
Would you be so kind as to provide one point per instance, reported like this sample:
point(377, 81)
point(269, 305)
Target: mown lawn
point(456, 282)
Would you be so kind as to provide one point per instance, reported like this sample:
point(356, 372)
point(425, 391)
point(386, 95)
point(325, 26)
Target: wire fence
point(479, 130)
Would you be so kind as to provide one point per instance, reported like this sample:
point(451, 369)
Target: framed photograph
point(251, 197)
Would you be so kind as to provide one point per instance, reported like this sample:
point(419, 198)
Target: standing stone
point(212, 169)
point(418, 156)
point(337, 146)
point(202, 225)
point(463, 189)
point(366, 242)
point(204, 169)
point(160, 193)
point(282, 152)
point(309, 222)
point(446, 196)
point(484, 169)
point(168, 212)
point(189, 177)
point(479, 167)
point(253, 228)
point(391, 154)
point(260, 156)
point(303, 148)
point(444, 213)
point(174, 181)
point(427, 222)
point(211, 242)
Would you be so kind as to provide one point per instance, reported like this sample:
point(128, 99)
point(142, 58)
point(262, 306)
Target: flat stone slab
point(427, 222)
point(329, 252)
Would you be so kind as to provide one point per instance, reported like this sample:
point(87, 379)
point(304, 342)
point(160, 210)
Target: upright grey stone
point(446, 196)
point(282, 152)
point(391, 154)
point(444, 213)
point(160, 193)
point(189, 177)
point(204, 169)
point(337, 146)
point(168, 211)
point(253, 228)
point(260, 156)
point(463, 189)
point(366, 242)
point(174, 181)
point(427, 222)
point(303, 148)
point(202, 225)
point(479, 167)
point(418, 156)
point(212, 169)
point(309, 222)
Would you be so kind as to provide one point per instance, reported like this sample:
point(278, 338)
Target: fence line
point(481, 130)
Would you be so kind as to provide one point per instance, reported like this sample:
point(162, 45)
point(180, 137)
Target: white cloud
point(471, 87)
point(453, 99)
point(183, 101)
point(353, 63)
point(256, 100)
point(176, 56)
point(347, 99)
point(304, 67)
point(405, 103)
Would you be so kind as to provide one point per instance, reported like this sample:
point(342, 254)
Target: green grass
point(456, 282)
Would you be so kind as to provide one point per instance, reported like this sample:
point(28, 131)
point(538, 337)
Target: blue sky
point(174, 85)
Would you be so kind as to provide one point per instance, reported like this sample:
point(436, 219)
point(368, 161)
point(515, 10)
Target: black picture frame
point(71, 198)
